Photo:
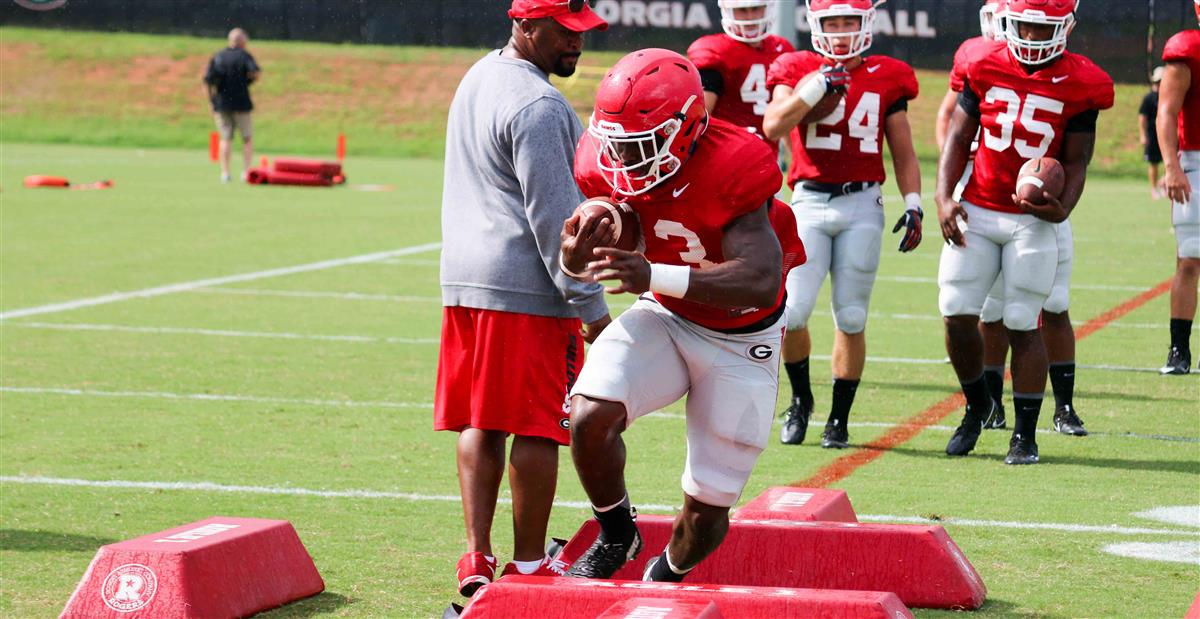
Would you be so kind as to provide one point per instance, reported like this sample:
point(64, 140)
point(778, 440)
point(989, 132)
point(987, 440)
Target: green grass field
point(289, 373)
point(322, 381)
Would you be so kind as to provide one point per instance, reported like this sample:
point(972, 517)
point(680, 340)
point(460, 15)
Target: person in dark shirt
point(227, 85)
point(1147, 115)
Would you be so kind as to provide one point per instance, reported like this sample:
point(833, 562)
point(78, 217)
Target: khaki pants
point(227, 121)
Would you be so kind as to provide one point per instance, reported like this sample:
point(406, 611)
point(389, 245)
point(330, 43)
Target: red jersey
point(845, 146)
point(972, 46)
point(731, 173)
point(1185, 47)
point(1024, 116)
point(743, 70)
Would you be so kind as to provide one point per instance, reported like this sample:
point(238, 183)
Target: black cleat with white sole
point(1066, 421)
point(795, 423)
point(967, 433)
point(995, 420)
point(1179, 362)
point(1021, 450)
point(605, 557)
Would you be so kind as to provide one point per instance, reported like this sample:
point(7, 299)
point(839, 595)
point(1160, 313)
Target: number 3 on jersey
point(1016, 112)
point(863, 126)
point(754, 88)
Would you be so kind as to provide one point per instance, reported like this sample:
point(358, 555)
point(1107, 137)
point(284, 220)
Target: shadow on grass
point(51, 541)
point(1050, 458)
point(322, 604)
point(991, 607)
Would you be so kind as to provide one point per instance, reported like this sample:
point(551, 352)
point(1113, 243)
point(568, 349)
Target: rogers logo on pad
point(129, 587)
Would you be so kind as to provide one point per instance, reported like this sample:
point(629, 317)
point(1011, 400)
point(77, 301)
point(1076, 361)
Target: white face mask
point(747, 30)
point(659, 163)
point(1037, 52)
point(860, 40)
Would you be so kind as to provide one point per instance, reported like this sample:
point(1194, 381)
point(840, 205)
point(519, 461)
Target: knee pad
point(1187, 238)
point(993, 309)
point(1058, 301)
point(850, 320)
point(1021, 316)
point(797, 313)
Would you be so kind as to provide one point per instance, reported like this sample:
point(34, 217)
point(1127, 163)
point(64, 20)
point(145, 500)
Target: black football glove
point(911, 222)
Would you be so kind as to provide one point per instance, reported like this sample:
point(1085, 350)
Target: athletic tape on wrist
point(813, 90)
point(670, 279)
point(912, 202)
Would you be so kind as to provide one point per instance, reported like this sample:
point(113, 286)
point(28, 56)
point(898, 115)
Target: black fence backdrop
point(1123, 36)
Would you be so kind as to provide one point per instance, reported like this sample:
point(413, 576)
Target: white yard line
point(415, 262)
point(281, 335)
point(933, 280)
point(319, 294)
point(210, 397)
point(216, 281)
point(205, 486)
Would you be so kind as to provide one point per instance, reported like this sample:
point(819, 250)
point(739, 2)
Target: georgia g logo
point(760, 352)
point(129, 587)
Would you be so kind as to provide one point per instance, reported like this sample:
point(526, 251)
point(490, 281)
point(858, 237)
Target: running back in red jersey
point(1025, 115)
point(847, 145)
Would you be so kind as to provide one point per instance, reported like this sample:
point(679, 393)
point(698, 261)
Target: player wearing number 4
point(837, 105)
point(1028, 98)
point(733, 66)
point(709, 317)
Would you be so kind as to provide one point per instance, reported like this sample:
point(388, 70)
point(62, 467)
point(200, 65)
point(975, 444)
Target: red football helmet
point(860, 40)
point(747, 30)
point(1057, 13)
point(991, 19)
point(649, 114)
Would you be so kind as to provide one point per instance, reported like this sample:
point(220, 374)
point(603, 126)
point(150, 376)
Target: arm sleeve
point(543, 137)
point(901, 105)
point(1083, 122)
point(712, 81)
point(968, 100)
point(251, 64)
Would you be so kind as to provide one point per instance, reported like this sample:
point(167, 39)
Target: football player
point(1179, 136)
point(733, 66)
point(710, 314)
point(838, 105)
point(1027, 97)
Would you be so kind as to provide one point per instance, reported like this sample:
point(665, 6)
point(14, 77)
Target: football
point(1038, 175)
point(625, 221)
point(823, 108)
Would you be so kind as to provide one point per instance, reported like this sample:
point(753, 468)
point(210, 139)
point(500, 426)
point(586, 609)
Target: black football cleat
point(995, 420)
point(1066, 421)
point(1021, 450)
point(795, 424)
point(658, 571)
point(835, 436)
point(1179, 362)
point(604, 558)
point(967, 433)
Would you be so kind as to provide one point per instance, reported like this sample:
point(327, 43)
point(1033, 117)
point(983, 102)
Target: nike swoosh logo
point(779, 48)
point(873, 69)
point(675, 194)
point(1059, 78)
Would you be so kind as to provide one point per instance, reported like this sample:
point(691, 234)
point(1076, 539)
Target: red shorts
point(507, 371)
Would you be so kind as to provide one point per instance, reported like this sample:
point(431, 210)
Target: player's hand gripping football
point(837, 79)
point(580, 238)
point(1052, 210)
point(948, 213)
point(630, 268)
point(910, 221)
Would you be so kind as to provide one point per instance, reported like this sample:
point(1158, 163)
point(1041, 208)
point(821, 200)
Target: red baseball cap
point(580, 21)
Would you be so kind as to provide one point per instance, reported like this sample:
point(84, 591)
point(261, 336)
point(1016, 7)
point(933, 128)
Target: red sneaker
point(474, 570)
point(549, 567)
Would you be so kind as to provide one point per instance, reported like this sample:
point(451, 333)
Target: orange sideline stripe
point(844, 466)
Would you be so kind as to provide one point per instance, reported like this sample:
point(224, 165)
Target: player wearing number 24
point(733, 65)
point(1028, 98)
point(709, 317)
point(838, 105)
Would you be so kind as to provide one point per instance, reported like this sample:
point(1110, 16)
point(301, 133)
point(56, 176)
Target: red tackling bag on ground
point(309, 166)
point(263, 176)
point(39, 180)
point(788, 503)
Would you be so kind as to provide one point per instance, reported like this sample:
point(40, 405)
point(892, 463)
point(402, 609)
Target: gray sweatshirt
point(509, 186)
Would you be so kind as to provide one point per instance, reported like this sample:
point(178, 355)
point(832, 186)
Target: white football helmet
point(991, 20)
point(860, 40)
point(747, 30)
point(1057, 13)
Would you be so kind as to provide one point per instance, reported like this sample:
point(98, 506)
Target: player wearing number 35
point(838, 105)
point(1028, 98)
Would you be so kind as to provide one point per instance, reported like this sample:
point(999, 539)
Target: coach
point(511, 341)
point(227, 83)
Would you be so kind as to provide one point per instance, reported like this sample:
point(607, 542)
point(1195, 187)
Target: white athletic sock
point(667, 556)
point(624, 501)
point(528, 567)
